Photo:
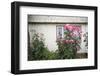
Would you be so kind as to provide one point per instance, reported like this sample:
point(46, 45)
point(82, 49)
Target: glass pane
point(59, 32)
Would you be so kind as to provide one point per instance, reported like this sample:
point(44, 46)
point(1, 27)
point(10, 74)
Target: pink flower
point(68, 27)
point(72, 41)
point(71, 27)
point(68, 41)
point(75, 30)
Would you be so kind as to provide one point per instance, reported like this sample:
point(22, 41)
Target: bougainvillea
point(75, 31)
point(68, 46)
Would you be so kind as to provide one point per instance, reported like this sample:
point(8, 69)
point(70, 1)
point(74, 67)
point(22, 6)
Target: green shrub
point(66, 51)
point(68, 46)
point(39, 50)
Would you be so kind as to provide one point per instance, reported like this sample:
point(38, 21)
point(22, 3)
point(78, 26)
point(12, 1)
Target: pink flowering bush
point(68, 46)
point(74, 31)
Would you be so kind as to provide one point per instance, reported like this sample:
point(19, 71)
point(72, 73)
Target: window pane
point(59, 32)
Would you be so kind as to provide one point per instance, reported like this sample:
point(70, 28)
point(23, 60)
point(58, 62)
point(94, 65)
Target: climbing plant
point(68, 46)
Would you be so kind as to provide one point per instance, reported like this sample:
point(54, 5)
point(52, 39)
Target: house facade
point(52, 27)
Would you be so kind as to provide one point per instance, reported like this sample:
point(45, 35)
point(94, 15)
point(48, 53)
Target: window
point(60, 32)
